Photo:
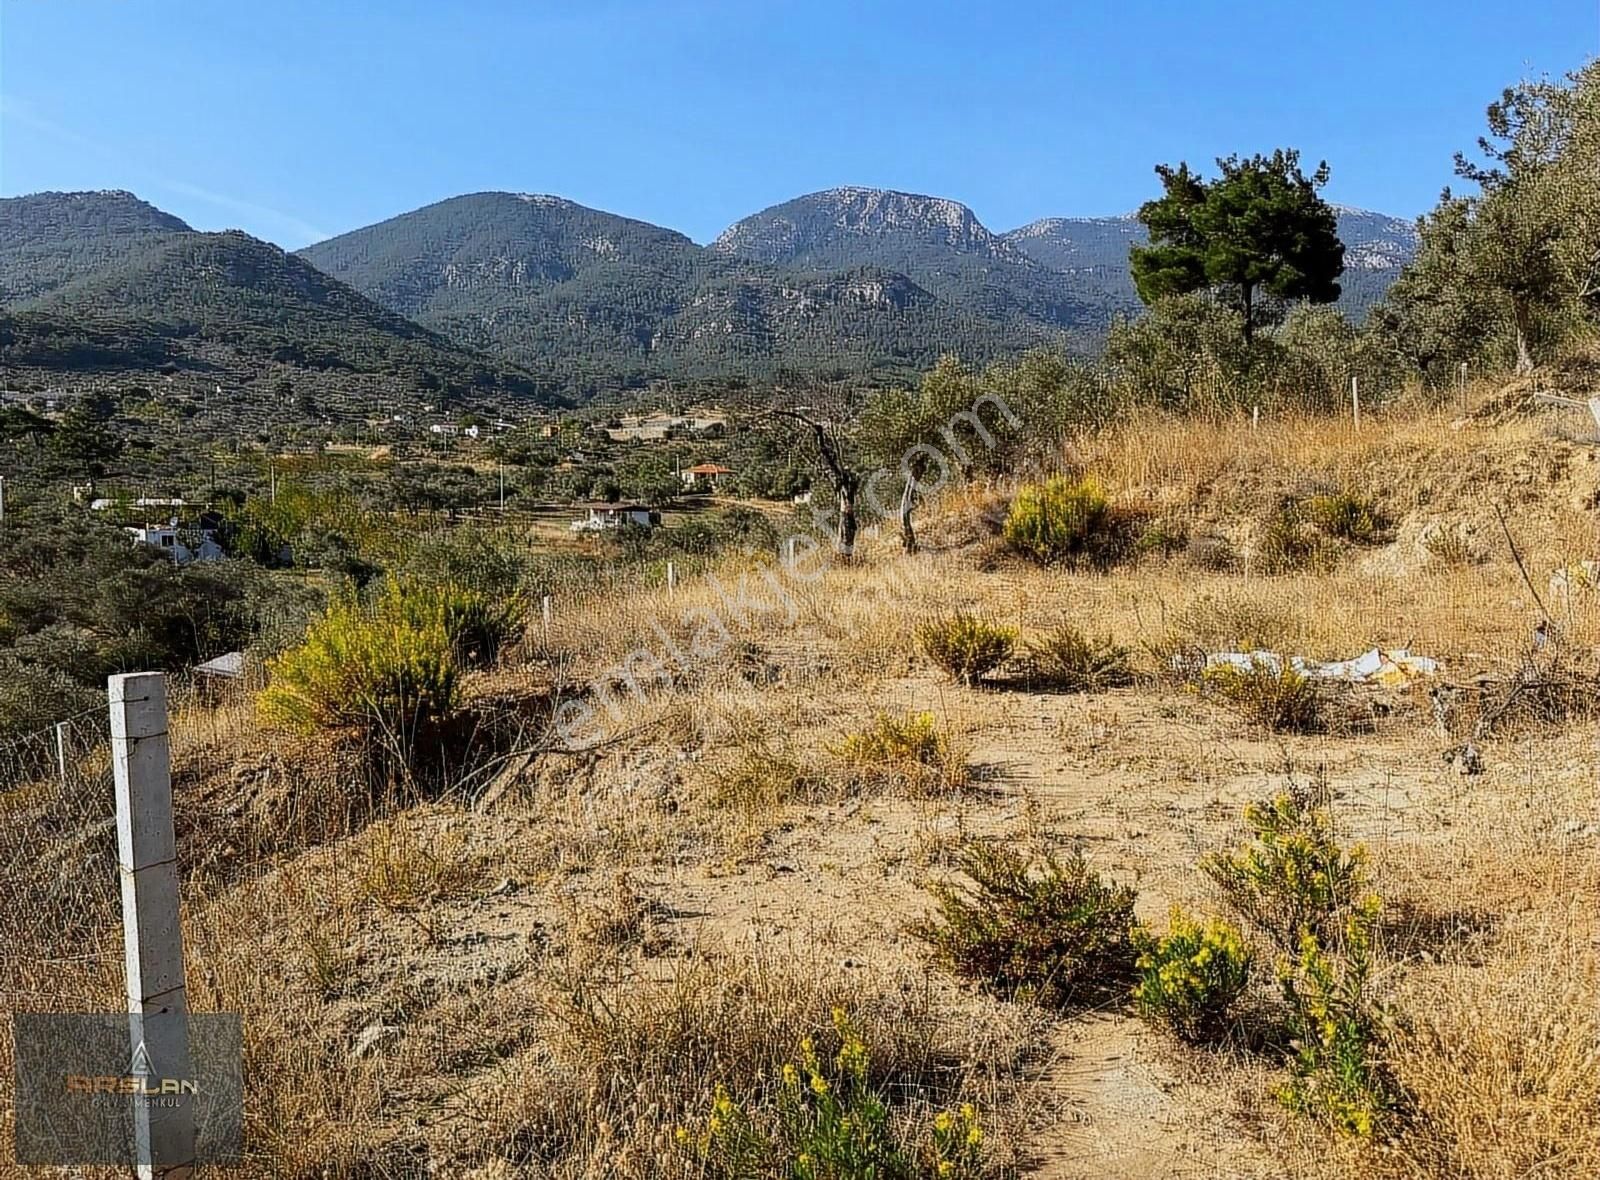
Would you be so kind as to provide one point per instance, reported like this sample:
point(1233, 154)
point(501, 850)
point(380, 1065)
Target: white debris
point(1378, 666)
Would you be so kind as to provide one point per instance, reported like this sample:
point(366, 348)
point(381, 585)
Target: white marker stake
point(1355, 401)
point(61, 752)
point(544, 608)
point(672, 578)
point(1255, 417)
point(152, 937)
point(790, 558)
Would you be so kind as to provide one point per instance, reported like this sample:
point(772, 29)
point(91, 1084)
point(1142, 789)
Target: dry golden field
point(546, 967)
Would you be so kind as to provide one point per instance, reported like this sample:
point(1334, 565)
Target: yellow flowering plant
point(1293, 877)
point(386, 665)
point(966, 647)
point(958, 1144)
point(389, 664)
point(1190, 977)
point(840, 1126)
point(825, 1119)
point(728, 1143)
point(1337, 1072)
point(1060, 520)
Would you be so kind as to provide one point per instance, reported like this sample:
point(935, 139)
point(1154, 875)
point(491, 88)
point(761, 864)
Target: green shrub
point(1053, 932)
point(1345, 516)
point(1068, 661)
point(1161, 538)
point(1272, 694)
point(478, 625)
point(1337, 1068)
point(1191, 976)
point(1058, 520)
point(1450, 548)
point(1303, 534)
point(965, 647)
point(832, 1123)
point(1293, 878)
point(33, 697)
point(1289, 542)
point(764, 774)
point(386, 668)
point(908, 750)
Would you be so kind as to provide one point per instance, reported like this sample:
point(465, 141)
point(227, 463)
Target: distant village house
point(183, 544)
point(704, 477)
point(614, 516)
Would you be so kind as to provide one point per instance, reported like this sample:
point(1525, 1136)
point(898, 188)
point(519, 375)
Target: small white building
point(600, 517)
point(184, 545)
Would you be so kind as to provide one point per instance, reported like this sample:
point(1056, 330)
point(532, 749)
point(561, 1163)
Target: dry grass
point(555, 964)
point(1503, 1065)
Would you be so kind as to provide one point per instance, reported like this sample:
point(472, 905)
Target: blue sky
point(296, 120)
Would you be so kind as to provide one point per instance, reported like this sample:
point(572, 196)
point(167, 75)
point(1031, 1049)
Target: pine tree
point(1260, 228)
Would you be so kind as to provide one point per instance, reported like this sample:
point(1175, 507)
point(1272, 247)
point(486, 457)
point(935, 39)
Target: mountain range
point(104, 282)
point(531, 294)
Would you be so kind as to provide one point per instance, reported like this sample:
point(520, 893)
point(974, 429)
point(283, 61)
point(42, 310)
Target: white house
point(613, 516)
point(192, 545)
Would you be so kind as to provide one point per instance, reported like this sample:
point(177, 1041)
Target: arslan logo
point(141, 1081)
point(140, 1065)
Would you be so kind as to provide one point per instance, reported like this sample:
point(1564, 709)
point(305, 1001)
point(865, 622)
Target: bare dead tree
point(825, 416)
point(908, 535)
point(829, 439)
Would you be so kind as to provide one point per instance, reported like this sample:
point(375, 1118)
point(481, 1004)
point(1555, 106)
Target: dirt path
point(1126, 1113)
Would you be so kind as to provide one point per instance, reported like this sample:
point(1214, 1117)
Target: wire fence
point(49, 752)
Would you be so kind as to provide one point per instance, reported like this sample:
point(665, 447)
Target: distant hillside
point(491, 249)
point(1094, 250)
point(229, 304)
point(608, 300)
point(937, 243)
point(49, 239)
point(850, 281)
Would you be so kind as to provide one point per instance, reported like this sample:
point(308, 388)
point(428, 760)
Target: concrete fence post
point(164, 1136)
point(1355, 401)
point(545, 613)
point(672, 578)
